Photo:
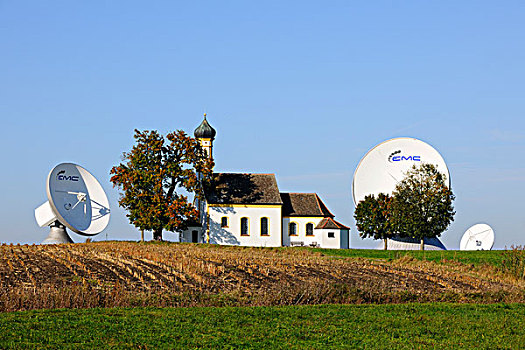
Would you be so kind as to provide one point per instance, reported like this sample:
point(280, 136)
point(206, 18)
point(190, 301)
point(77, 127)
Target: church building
point(248, 209)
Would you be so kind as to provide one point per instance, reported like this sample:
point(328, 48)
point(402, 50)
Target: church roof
point(329, 223)
point(238, 188)
point(205, 130)
point(304, 204)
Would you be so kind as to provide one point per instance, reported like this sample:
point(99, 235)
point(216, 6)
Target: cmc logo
point(62, 177)
point(395, 157)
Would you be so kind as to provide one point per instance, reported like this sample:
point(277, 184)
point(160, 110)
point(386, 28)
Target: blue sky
point(300, 89)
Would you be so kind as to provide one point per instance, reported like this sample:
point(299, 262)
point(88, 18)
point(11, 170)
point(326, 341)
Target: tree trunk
point(157, 235)
point(142, 235)
point(422, 245)
point(386, 246)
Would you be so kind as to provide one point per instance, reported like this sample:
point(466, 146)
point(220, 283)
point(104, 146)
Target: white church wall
point(331, 238)
point(232, 233)
point(188, 236)
point(301, 236)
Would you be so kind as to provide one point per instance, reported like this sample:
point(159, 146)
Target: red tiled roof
point(330, 223)
point(239, 188)
point(304, 204)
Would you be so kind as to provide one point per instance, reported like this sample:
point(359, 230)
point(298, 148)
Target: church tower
point(206, 134)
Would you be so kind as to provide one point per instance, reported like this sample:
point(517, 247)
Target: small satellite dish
point(477, 237)
point(76, 200)
point(385, 165)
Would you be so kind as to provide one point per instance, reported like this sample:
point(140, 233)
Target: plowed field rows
point(128, 274)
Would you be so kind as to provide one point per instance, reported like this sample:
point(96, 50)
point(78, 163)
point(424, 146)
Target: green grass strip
point(406, 326)
point(479, 257)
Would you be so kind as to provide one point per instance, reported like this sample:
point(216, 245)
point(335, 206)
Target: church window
point(244, 227)
point(292, 229)
point(264, 226)
point(331, 234)
point(309, 229)
point(224, 221)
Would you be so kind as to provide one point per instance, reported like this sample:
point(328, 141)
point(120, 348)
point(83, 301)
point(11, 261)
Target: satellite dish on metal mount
point(76, 200)
point(477, 237)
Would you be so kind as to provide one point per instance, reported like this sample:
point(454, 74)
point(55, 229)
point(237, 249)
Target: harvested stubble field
point(110, 274)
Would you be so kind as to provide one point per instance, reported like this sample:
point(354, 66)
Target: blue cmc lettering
point(68, 178)
point(401, 158)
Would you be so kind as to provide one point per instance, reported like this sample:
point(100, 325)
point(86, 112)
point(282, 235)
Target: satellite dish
point(386, 164)
point(76, 200)
point(477, 237)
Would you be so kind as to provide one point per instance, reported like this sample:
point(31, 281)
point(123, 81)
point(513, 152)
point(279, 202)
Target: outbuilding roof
point(304, 204)
point(330, 223)
point(239, 188)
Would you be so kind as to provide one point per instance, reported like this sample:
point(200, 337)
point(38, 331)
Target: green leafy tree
point(154, 176)
point(373, 217)
point(423, 204)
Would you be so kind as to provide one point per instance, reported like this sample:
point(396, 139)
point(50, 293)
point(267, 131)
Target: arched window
point(244, 227)
point(292, 229)
point(264, 226)
point(309, 229)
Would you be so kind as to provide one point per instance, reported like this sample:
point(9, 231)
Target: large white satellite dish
point(386, 164)
point(477, 237)
point(76, 200)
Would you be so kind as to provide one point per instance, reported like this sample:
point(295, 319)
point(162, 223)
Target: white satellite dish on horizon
point(477, 237)
point(385, 165)
point(76, 200)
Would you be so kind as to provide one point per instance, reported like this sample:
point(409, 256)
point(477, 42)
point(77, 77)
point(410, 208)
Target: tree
point(422, 206)
point(373, 217)
point(152, 173)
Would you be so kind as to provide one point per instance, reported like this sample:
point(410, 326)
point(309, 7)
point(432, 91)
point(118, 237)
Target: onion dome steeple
point(206, 134)
point(205, 131)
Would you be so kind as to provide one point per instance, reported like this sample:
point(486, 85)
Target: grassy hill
point(127, 274)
